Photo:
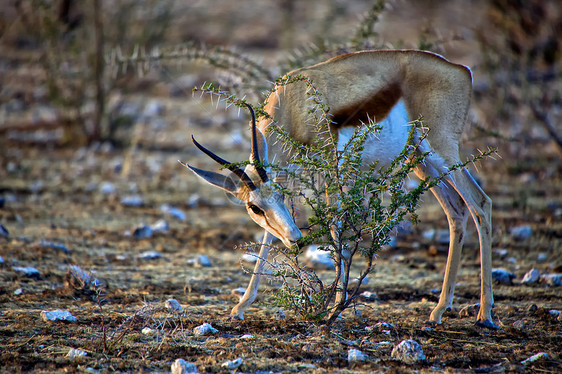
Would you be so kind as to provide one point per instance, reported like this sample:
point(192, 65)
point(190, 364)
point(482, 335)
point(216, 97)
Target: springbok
point(393, 87)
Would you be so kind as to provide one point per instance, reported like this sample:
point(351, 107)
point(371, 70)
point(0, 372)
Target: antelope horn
point(255, 153)
point(239, 172)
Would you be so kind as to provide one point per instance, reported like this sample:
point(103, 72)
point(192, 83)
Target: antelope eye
point(255, 209)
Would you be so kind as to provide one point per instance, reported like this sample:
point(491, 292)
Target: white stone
point(161, 226)
point(150, 255)
point(250, 257)
point(521, 233)
point(172, 211)
point(319, 259)
point(180, 366)
point(203, 260)
point(408, 351)
point(57, 315)
point(381, 344)
point(532, 276)
point(502, 276)
point(173, 305)
point(204, 329)
point(355, 355)
point(148, 331)
point(107, 188)
point(28, 271)
point(132, 200)
point(143, 232)
point(553, 280)
point(74, 352)
point(233, 364)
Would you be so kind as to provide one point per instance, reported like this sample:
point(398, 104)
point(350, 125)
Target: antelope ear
point(216, 179)
point(262, 148)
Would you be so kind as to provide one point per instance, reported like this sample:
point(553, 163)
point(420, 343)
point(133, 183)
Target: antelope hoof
point(430, 323)
point(487, 323)
point(235, 316)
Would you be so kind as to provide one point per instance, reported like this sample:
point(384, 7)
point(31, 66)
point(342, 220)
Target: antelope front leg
point(252, 289)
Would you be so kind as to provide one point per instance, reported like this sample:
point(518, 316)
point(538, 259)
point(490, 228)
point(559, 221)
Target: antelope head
point(253, 186)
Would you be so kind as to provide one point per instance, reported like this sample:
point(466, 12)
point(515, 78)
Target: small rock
point(107, 188)
point(180, 366)
point(74, 352)
point(204, 261)
point(47, 244)
point(150, 255)
point(161, 226)
point(553, 280)
point(555, 312)
point(501, 252)
point(379, 345)
point(174, 212)
point(319, 259)
point(408, 351)
point(173, 305)
point(355, 355)
point(307, 366)
point(18, 292)
point(502, 276)
point(143, 232)
point(200, 260)
point(536, 357)
point(204, 329)
point(233, 364)
point(57, 315)
point(369, 296)
point(519, 324)
point(353, 282)
point(428, 235)
point(148, 331)
point(532, 276)
point(247, 337)
point(521, 233)
point(132, 200)
point(194, 201)
point(249, 258)
point(4, 232)
point(542, 257)
point(28, 271)
point(439, 236)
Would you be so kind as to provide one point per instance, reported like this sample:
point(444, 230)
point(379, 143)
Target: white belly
point(384, 145)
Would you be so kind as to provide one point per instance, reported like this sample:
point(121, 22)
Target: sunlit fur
point(391, 87)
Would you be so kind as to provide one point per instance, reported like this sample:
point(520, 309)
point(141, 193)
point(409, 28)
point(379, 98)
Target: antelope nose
point(295, 240)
